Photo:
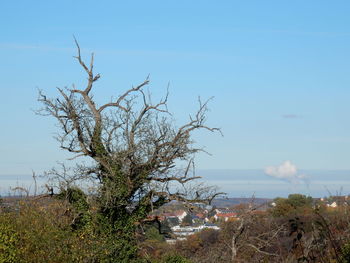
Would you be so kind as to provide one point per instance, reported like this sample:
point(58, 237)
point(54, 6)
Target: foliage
point(40, 230)
point(345, 251)
point(77, 198)
point(187, 220)
point(8, 241)
point(152, 233)
point(176, 259)
point(294, 204)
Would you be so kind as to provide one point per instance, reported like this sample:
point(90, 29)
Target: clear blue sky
point(279, 72)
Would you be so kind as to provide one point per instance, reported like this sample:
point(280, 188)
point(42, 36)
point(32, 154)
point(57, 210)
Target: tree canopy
point(295, 203)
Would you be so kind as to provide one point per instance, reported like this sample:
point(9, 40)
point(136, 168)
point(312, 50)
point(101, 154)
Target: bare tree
point(248, 236)
point(135, 149)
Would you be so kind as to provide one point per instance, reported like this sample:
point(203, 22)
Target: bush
point(345, 251)
point(41, 231)
point(175, 258)
point(8, 242)
point(293, 205)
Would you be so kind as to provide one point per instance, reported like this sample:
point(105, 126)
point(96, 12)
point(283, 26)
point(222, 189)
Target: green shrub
point(175, 258)
point(345, 258)
point(152, 233)
point(8, 242)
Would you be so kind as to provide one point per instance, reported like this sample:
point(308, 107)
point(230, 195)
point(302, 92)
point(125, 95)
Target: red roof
point(226, 214)
point(179, 212)
point(200, 215)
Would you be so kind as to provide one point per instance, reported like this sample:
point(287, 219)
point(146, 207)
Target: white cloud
point(285, 171)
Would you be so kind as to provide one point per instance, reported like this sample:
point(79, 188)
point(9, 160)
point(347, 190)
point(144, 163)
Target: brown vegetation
point(41, 230)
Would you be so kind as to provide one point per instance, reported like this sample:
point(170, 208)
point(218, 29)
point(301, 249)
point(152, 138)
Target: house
point(333, 205)
point(180, 214)
point(177, 215)
point(209, 226)
point(182, 231)
point(225, 216)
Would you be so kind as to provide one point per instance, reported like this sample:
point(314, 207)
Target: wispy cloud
point(20, 46)
point(310, 33)
point(294, 32)
point(291, 116)
point(110, 51)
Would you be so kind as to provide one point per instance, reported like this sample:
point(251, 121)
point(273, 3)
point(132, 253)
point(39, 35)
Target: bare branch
point(133, 144)
point(261, 251)
point(122, 97)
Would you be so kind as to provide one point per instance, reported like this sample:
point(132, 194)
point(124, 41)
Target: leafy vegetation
point(294, 204)
point(8, 241)
point(45, 229)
